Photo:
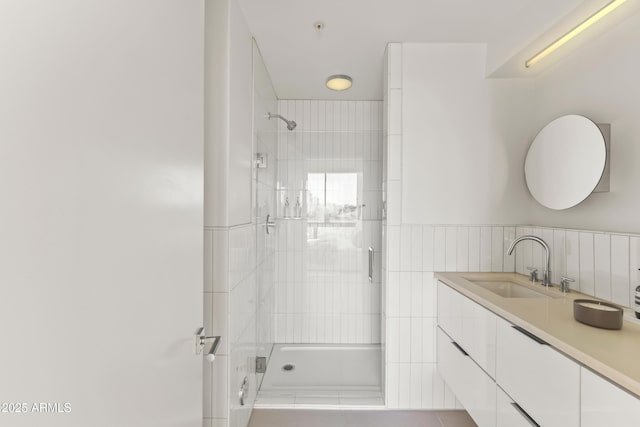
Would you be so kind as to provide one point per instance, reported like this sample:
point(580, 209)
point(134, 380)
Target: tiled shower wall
point(602, 264)
point(323, 294)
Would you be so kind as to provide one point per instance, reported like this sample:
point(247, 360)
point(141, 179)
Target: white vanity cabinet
point(605, 404)
point(466, 342)
point(509, 413)
point(543, 382)
point(470, 325)
point(472, 386)
point(505, 376)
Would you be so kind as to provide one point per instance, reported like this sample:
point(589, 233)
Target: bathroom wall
point(602, 264)
point(451, 188)
point(460, 128)
point(599, 80)
point(322, 290)
point(237, 257)
point(456, 149)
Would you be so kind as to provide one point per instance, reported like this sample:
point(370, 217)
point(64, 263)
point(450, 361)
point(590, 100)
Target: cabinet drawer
point(545, 383)
point(470, 325)
point(471, 385)
point(605, 404)
point(509, 413)
point(450, 311)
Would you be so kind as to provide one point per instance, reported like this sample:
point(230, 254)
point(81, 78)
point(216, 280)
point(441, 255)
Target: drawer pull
point(530, 335)
point(525, 415)
point(456, 345)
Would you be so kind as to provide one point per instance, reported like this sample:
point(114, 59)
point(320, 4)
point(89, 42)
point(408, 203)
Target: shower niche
point(327, 312)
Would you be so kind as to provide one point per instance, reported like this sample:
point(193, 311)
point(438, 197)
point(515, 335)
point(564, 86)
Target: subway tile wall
point(602, 264)
point(323, 294)
point(414, 252)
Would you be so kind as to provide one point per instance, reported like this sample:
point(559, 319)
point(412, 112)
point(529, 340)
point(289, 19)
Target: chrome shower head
point(291, 125)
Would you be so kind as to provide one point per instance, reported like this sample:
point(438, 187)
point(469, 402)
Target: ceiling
point(299, 58)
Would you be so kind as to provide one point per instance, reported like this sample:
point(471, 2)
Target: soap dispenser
point(298, 209)
point(286, 213)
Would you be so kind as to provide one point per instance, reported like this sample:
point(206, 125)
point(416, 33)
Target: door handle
point(269, 224)
point(370, 264)
point(200, 340)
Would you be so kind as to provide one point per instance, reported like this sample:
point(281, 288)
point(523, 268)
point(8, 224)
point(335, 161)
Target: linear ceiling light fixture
point(609, 7)
point(339, 82)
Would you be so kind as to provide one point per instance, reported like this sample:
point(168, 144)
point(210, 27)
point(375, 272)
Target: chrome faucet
point(546, 280)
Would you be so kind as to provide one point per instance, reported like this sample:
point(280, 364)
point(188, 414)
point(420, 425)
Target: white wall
point(456, 150)
point(600, 80)
point(231, 232)
point(229, 115)
point(602, 264)
point(460, 128)
point(448, 180)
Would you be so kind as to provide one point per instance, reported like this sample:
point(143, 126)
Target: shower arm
point(291, 125)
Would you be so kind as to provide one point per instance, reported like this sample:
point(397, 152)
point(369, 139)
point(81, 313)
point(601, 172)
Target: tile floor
point(359, 418)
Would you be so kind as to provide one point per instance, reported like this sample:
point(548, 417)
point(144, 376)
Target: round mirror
point(565, 162)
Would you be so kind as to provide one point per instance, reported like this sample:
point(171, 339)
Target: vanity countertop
point(614, 354)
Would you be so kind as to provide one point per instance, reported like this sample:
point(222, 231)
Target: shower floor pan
point(323, 375)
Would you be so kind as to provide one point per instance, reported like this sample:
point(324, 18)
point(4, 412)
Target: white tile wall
point(231, 312)
point(413, 252)
point(411, 310)
point(322, 292)
point(409, 335)
point(603, 264)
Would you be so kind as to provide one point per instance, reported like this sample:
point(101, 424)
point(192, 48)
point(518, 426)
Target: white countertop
point(614, 354)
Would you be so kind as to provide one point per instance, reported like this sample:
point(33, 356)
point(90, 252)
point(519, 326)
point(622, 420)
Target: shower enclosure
point(325, 311)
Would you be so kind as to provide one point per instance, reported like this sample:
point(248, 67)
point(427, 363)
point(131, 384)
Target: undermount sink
point(507, 289)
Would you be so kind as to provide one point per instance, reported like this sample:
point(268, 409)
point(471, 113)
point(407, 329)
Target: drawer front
point(509, 413)
point(450, 311)
point(479, 335)
point(545, 383)
point(470, 325)
point(605, 404)
point(471, 385)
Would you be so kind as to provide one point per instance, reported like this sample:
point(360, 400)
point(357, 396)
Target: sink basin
point(509, 289)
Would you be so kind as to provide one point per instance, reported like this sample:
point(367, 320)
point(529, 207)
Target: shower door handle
point(370, 264)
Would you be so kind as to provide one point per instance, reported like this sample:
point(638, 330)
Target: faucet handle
point(534, 274)
point(564, 283)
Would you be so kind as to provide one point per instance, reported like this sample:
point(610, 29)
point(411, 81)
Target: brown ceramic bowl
point(598, 313)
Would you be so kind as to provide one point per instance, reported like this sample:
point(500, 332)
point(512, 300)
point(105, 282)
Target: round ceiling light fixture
point(339, 82)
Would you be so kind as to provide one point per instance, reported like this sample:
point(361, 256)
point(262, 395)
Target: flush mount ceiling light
point(339, 82)
point(609, 7)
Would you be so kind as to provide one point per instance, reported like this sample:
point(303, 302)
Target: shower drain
point(288, 367)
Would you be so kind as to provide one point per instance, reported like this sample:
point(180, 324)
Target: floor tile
point(358, 418)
